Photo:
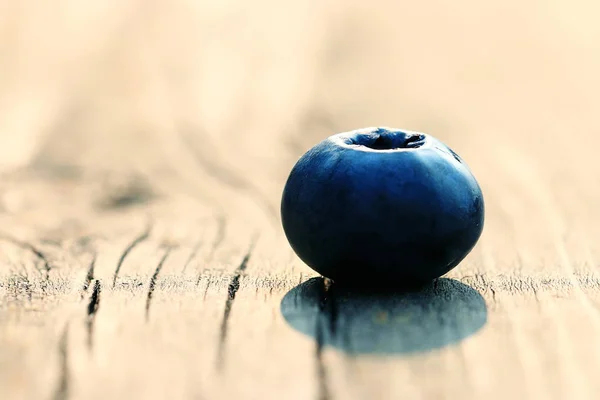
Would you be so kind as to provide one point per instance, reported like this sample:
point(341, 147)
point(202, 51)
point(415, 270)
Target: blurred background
point(188, 94)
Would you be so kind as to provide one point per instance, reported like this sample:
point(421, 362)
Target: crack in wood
point(206, 290)
point(328, 306)
point(92, 311)
point(63, 386)
point(142, 237)
point(232, 289)
point(325, 313)
point(31, 248)
point(89, 277)
point(493, 295)
point(152, 284)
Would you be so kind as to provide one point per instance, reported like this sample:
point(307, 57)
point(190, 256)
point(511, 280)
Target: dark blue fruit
point(382, 206)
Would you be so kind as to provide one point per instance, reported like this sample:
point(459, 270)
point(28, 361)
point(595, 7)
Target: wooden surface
point(144, 147)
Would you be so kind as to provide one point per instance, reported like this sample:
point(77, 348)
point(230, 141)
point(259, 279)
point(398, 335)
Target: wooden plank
point(143, 151)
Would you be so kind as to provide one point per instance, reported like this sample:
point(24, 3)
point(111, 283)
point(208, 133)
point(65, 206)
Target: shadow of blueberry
point(440, 314)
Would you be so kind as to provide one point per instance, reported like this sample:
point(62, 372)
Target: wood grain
point(143, 150)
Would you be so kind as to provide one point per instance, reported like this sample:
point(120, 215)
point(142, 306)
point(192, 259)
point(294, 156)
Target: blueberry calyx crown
point(386, 139)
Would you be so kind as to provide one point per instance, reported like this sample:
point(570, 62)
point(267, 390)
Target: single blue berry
point(382, 206)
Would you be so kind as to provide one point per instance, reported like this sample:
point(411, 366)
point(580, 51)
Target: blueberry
point(382, 206)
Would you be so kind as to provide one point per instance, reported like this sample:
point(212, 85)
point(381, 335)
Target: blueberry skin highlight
point(381, 206)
